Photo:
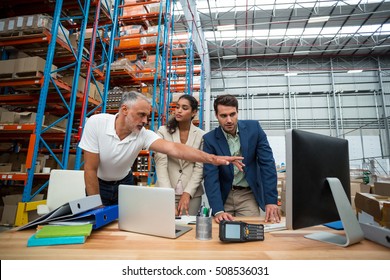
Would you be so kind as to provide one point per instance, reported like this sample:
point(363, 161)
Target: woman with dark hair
point(184, 176)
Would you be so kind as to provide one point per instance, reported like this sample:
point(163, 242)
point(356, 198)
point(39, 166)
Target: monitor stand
point(353, 232)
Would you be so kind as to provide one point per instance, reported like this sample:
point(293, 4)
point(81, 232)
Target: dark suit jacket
point(260, 170)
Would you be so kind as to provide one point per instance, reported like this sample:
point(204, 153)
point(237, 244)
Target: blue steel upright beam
point(110, 58)
point(39, 132)
point(76, 77)
point(159, 72)
point(164, 63)
point(190, 60)
point(42, 101)
point(201, 94)
point(169, 93)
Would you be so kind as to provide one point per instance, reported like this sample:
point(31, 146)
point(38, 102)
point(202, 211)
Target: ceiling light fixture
point(233, 56)
point(290, 74)
point(226, 27)
point(301, 52)
point(355, 71)
point(318, 19)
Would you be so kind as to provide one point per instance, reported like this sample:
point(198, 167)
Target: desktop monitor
point(318, 186)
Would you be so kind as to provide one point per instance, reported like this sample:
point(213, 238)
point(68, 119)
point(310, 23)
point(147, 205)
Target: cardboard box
point(131, 30)
point(94, 92)
point(10, 117)
point(130, 43)
point(27, 117)
point(40, 163)
point(49, 119)
point(51, 163)
point(7, 68)
point(382, 188)
point(375, 205)
point(5, 167)
point(134, 10)
point(17, 159)
point(11, 206)
point(365, 188)
point(355, 187)
point(80, 82)
point(28, 66)
point(71, 162)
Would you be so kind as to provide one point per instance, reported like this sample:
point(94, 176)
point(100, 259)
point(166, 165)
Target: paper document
point(186, 220)
point(274, 227)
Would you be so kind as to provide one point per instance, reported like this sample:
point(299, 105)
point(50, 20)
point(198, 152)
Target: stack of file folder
point(82, 211)
point(60, 235)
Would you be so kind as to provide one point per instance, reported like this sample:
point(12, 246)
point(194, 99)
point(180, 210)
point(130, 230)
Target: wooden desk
point(111, 243)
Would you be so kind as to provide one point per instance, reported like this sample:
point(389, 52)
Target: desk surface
point(111, 243)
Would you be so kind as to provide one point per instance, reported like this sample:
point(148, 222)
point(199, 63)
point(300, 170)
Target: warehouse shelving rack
point(50, 94)
point(95, 66)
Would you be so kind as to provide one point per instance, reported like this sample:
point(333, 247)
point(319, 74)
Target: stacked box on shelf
point(49, 119)
point(142, 164)
point(133, 57)
point(155, 7)
point(7, 68)
point(123, 64)
point(140, 64)
point(128, 31)
point(114, 98)
point(150, 64)
point(93, 92)
point(153, 39)
point(134, 10)
point(24, 67)
point(9, 117)
point(29, 66)
point(80, 82)
point(148, 91)
point(29, 24)
point(131, 30)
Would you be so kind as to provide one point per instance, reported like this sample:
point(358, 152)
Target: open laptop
point(148, 210)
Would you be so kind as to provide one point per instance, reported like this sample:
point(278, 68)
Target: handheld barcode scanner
point(233, 231)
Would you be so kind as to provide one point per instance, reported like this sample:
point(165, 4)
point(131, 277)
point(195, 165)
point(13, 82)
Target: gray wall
point(321, 98)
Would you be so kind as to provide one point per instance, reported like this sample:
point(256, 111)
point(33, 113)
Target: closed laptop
point(148, 210)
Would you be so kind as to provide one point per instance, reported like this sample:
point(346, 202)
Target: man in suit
point(232, 192)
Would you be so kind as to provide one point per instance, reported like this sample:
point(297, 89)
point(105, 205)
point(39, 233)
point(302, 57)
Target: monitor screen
point(318, 186)
point(311, 158)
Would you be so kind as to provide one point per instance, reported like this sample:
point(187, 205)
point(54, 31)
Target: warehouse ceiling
point(292, 28)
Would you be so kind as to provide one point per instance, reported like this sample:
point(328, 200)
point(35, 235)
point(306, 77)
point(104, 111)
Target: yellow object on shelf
point(22, 212)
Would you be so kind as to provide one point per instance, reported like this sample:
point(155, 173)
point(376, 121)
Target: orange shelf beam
point(18, 176)
point(139, 3)
point(18, 127)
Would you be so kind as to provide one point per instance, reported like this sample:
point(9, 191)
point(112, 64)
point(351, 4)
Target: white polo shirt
point(116, 156)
